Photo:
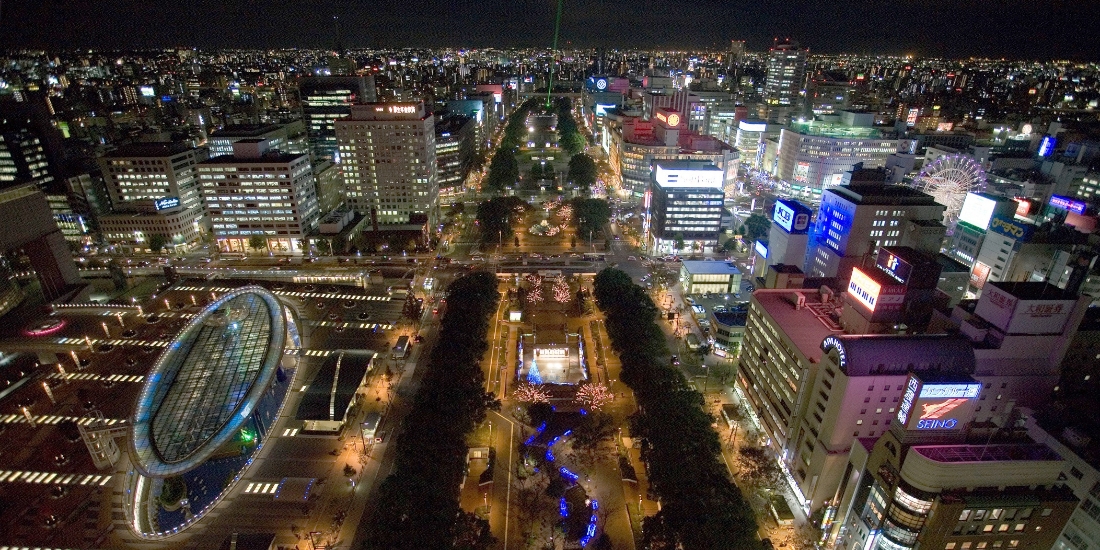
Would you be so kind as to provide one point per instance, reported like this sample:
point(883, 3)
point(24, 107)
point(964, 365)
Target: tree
point(157, 243)
point(678, 241)
point(582, 171)
point(730, 245)
point(757, 227)
point(349, 471)
point(323, 245)
point(758, 468)
point(494, 217)
point(257, 242)
point(517, 241)
point(590, 216)
point(503, 170)
point(573, 242)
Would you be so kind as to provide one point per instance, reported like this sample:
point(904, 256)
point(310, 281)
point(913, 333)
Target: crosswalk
point(318, 295)
point(290, 432)
point(317, 353)
point(368, 326)
point(113, 342)
point(133, 378)
point(254, 488)
point(55, 478)
point(56, 419)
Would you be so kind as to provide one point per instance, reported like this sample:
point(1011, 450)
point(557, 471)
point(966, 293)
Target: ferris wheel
point(948, 179)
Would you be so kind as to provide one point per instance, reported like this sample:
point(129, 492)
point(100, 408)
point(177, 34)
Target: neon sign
point(894, 266)
point(790, 219)
point(1066, 203)
point(863, 289)
point(674, 120)
point(833, 342)
point(967, 391)
point(911, 389)
point(166, 202)
point(402, 109)
point(1011, 229)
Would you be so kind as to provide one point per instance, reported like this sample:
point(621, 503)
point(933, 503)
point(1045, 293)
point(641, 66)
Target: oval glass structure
point(204, 387)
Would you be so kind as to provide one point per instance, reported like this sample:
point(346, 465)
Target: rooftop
point(805, 326)
point(1034, 291)
point(152, 149)
point(204, 386)
point(986, 453)
point(875, 354)
point(245, 130)
point(331, 391)
point(834, 130)
point(702, 267)
point(882, 194)
point(266, 158)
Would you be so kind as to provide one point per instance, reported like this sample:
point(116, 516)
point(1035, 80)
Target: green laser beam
point(554, 48)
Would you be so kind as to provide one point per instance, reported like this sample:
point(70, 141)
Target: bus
point(401, 350)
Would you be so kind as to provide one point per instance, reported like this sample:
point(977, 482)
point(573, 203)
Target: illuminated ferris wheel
point(948, 179)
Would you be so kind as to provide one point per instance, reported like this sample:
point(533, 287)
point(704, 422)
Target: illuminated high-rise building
point(786, 71)
point(155, 195)
point(327, 98)
point(260, 192)
point(388, 156)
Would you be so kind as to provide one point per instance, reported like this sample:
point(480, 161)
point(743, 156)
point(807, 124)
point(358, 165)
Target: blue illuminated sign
point(791, 216)
point(762, 249)
point(166, 202)
point(601, 109)
point(1011, 228)
point(1046, 147)
point(1066, 203)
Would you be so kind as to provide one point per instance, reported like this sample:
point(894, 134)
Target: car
point(363, 316)
point(334, 316)
point(348, 304)
point(675, 360)
point(320, 305)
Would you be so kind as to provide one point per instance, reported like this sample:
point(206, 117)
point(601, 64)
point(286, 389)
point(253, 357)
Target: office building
point(814, 155)
point(330, 186)
point(683, 207)
point(853, 221)
point(29, 226)
point(1017, 250)
point(326, 99)
point(257, 192)
point(747, 139)
point(978, 210)
point(728, 326)
point(786, 71)
point(388, 154)
point(289, 137)
point(788, 236)
point(23, 158)
point(455, 146)
point(156, 196)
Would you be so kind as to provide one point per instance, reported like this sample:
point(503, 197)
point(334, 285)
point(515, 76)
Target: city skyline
point(1015, 29)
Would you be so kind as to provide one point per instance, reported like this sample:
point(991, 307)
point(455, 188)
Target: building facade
point(326, 99)
point(683, 207)
point(156, 196)
point(388, 154)
point(258, 196)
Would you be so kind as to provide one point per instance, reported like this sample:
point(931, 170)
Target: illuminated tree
point(530, 393)
point(561, 290)
point(535, 294)
point(594, 396)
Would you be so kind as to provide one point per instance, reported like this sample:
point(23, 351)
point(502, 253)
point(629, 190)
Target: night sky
point(1018, 29)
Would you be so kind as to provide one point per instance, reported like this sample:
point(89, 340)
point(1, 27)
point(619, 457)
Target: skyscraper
point(786, 71)
point(327, 98)
point(260, 192)
point(388, 155)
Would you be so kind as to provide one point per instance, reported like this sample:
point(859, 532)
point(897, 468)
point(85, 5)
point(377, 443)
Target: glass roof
point(206, 383)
